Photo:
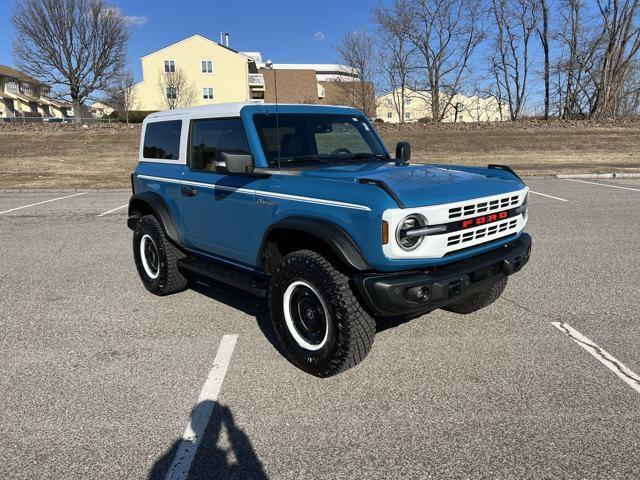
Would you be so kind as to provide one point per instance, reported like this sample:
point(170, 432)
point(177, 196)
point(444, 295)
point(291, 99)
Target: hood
point(425, 185)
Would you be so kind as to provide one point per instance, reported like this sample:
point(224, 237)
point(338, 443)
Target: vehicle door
point(217, 207)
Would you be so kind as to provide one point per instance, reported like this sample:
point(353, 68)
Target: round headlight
point(410, 222)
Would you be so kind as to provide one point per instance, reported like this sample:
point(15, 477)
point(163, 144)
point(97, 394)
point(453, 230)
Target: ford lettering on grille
point(477, 221)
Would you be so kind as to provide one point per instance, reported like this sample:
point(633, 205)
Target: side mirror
point(403, 153)
point(235, 162)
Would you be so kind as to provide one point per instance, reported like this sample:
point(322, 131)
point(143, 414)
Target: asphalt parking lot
point(99, 378)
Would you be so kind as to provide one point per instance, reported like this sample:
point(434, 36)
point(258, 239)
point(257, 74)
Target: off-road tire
point(479, 300)
point(350, 330)
point(169, 278)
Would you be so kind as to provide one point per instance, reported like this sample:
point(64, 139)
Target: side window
point(162, 140)
point(210, 136)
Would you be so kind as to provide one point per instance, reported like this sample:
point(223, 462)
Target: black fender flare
point(143, 202)
point(335, 237)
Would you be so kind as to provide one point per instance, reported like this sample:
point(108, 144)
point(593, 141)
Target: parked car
point(58, 120)
point(303, 204)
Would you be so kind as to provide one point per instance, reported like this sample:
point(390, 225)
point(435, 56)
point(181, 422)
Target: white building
point(417, 105)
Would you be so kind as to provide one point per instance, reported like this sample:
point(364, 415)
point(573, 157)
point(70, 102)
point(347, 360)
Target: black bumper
point(390, 294)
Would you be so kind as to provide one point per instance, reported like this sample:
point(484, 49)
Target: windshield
point(294, 138)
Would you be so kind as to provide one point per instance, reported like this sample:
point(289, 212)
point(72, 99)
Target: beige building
point(24, 97)
point(214, 72)
point(99, 110)
point(417, 105)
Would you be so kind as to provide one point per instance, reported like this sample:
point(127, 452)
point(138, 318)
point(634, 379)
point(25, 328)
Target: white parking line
point(201, 413)
point(40, 203)
point(603, 184)
point(114, 210)
point(608, 360)
point(548, 196)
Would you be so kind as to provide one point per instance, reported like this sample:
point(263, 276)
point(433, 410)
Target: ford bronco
point(303, 204)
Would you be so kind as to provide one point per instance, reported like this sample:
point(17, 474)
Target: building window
point(389, 114)
point(461, 117)
point(207, 93)
point(407, 101)
point(169, 66)
point(407, 115)
point(207, 66)
point(172, 93)
point(12, 85)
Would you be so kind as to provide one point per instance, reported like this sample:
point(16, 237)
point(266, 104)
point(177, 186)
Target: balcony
point(256, 80)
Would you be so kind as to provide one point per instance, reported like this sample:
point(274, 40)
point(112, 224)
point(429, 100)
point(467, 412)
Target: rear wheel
point(316, 316)
point(479, 300)
point(156, 258)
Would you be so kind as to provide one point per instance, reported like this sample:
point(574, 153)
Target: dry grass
point(68, 156)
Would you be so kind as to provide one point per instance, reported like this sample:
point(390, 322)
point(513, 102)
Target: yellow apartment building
point(214, 73)
point(24, 97)
point(417, 105)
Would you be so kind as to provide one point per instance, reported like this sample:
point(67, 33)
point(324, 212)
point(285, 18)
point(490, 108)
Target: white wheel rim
point(143, 256)
point(286, 307)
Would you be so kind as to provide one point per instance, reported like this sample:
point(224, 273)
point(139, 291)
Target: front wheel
point(316, 316)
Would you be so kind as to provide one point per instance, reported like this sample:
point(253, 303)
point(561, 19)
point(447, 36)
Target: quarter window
point(207, 93)
point(162, 140)
point(207, 66)
point(208, 137)
point(169, 66)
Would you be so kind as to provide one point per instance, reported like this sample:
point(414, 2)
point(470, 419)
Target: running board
point(224, 274)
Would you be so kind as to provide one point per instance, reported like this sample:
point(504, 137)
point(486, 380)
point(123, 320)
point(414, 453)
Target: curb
point(599, 175)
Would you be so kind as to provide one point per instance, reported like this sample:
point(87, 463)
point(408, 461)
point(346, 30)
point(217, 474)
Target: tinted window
point(208, 137)
point(162, 140)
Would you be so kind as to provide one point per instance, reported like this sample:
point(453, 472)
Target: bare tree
point(544, 41)
point(357, 51)
point(79, 45)
point(515, 23)
point(176, 89)
point(621, 31)
point(446, 33)
point(121, 95)
point(396, 55)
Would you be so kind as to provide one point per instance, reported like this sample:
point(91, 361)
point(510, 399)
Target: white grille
point(484, 207)
point(482, 233)
point(439, 245)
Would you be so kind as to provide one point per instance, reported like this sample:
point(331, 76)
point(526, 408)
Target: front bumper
point(420, 291)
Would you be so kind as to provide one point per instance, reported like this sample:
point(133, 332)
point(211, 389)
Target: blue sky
point(283, 30)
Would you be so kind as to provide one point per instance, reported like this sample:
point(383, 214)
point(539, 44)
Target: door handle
point(188, 192)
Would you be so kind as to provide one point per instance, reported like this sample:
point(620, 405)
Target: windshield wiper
point(357, 156)
point(307, 158)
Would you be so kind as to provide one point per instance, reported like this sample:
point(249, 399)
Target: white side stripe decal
point(283, 196)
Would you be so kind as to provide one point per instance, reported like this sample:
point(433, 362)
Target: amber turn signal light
point(385, 232)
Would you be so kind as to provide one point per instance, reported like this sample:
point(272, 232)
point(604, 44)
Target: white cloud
point(137, 20)
point(318, 36)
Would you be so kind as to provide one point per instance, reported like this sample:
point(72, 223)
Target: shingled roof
point(6, 71)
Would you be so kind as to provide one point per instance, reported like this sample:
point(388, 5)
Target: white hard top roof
point(229, 109)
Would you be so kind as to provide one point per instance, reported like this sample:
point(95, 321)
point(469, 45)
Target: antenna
point(269, 65)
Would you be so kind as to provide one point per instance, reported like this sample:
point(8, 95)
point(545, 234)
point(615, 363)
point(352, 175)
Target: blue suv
point(303, 204)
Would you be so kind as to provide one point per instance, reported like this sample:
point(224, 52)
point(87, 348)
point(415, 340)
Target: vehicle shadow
point(240, 300)
point(214, 458)
point(257, 307)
